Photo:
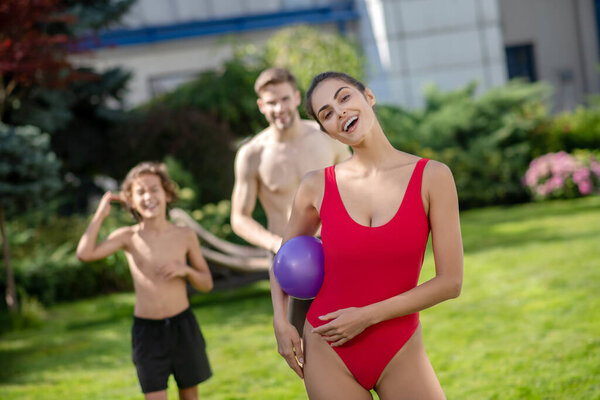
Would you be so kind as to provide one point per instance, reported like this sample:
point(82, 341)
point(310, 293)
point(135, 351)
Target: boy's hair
point(322, 77)
point(272, 76)
point(147, 168)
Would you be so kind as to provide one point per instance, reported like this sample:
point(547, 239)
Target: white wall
point(565, 40)
point(449, 42)
point(169, 60)
point(407, 43)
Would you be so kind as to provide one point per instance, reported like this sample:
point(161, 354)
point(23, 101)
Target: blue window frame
point(520, 60)
point(340, 12)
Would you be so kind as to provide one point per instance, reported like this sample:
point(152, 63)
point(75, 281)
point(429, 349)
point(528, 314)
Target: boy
point(165, 336)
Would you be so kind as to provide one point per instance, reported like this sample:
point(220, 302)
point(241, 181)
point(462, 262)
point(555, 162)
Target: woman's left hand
point(345, 324)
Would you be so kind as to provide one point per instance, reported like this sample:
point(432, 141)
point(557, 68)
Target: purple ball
point(298, 267)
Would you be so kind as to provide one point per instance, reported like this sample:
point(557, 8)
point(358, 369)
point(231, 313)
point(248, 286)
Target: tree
point(307, 51)
point(36, 39)
point(29, 172)
point(30, 54)
point(41, 86)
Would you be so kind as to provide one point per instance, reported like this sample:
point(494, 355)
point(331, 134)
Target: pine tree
point(29, 173)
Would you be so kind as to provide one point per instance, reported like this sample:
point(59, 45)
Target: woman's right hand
point(289, 345)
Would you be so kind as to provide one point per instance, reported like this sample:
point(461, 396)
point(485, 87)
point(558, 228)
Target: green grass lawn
point(526, 326)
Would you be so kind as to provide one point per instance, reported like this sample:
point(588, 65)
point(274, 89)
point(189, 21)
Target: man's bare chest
point(282, 169)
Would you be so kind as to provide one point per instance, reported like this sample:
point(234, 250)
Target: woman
point(375, 211)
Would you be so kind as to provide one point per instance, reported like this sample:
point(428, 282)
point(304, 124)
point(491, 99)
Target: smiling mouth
point(350, 123)
point(150, 206)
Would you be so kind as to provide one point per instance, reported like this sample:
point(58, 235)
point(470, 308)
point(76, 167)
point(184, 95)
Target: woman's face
point(344, 111)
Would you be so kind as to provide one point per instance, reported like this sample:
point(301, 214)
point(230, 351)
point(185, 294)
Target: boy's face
point(148, 197)
point(279, 102)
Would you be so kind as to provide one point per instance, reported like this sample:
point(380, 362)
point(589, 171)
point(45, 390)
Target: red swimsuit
point(365, 265)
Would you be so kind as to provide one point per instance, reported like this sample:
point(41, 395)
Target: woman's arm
point(304, 220)
point(440, 190)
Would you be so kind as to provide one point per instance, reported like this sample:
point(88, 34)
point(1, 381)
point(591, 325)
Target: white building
point(407, 42)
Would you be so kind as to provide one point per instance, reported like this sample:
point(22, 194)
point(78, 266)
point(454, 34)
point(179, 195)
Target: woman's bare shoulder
point(436, 171)
point(313, 180)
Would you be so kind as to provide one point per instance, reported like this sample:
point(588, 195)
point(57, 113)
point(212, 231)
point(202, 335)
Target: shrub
point(562, 175)
point(484, 140)
point(307, 51)
point(45, 265)
point(226, 95)
point(202, 144)
point(568, 131)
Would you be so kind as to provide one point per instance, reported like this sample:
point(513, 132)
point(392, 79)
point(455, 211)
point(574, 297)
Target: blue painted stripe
point(339, 12)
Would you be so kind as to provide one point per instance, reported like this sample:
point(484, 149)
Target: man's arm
point(304, 220)
point(243, 201)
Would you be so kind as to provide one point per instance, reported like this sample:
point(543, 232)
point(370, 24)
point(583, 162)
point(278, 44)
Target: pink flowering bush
point(563, 175)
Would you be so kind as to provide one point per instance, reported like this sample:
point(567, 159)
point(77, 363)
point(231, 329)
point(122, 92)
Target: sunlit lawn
point(527, 325)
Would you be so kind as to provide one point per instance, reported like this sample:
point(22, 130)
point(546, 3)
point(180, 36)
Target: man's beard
point(288, 121)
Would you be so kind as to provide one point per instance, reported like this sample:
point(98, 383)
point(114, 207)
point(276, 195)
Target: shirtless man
point(271, 165)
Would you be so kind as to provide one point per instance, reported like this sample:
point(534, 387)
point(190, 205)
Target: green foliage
point(307, 51)
point(227, 95)
point(76, 108)
point(29, 171)
point(201, 143)
point(46, 99)
point(45, 265)
point(215, 218)
point(524, 327)
point(568, 131)
point(31, 313)
point(484, 140)
point(401, 126)
point(187, 186)
point(97, 14)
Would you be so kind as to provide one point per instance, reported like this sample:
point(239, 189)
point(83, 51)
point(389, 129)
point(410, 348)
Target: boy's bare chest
point(153, 252)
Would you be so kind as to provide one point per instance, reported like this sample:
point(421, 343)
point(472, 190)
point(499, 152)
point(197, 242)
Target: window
point(521, 62)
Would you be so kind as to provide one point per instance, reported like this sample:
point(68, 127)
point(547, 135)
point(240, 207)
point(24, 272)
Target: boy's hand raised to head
point(104, 205)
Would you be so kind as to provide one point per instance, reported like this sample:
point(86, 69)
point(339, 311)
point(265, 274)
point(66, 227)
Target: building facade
point(408, 43)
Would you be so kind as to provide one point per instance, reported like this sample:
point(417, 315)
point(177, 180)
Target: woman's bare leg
point(409, 375)
point(326, 377)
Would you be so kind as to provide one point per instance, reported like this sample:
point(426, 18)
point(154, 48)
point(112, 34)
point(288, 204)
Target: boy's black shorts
point(168, 346)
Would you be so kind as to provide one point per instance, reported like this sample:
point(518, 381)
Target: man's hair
point(147, 168)
point(272, 76)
